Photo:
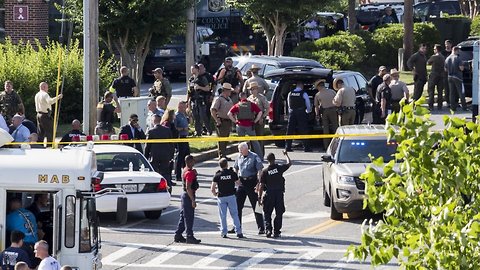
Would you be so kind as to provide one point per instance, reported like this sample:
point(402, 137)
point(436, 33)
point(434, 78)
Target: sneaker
point(269, 234)
point(240, 235)
point(231, 231)
point(193, 240)
point(179, 239)
point(261, 232)
point(224, 236)
point(276, 235)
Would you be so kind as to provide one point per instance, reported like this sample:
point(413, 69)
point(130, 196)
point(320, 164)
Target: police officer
point(10, 102)
point(233, 76)
point(249, 168)
point(436, 77)
point(345, 101)
point(124, 86)
point(246, 115)
point(219, 111)
point(273, 183)
point(223, 187)
point(384, 98)
point(105, 115)
point(298, 107)
point(187, 214)
point(197, 94)
point(161, 86)
point(262, 85)
point(325, 109)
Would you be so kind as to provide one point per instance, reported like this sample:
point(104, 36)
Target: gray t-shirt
point(452, 64)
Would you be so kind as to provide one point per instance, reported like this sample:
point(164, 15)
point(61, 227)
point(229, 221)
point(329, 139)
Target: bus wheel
point(153, 214)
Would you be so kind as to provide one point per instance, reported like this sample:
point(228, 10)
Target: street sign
point(20, 13)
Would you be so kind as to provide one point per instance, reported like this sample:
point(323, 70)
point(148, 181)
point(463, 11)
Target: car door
point(328, 166)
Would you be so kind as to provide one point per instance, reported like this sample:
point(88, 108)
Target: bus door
point(57, 223)
point(3, 214)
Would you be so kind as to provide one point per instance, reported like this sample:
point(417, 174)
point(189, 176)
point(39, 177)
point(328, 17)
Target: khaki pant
point(347, 117)
point(329, 124)
point(223, 131)
point(260, 131)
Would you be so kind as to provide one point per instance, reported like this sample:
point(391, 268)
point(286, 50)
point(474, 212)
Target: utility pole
point(90, 65)
point(191, 39)
point(408, 27)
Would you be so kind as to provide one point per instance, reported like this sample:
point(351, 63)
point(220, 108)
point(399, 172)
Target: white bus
point(66, 176)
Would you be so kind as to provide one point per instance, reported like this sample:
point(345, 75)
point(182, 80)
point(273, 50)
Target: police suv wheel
point(334, 214)
point(153, 214)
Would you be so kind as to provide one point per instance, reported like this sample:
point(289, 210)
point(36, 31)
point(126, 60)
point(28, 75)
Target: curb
point(213, 153)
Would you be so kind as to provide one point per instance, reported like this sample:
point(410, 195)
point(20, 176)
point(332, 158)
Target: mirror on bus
point(122, 213)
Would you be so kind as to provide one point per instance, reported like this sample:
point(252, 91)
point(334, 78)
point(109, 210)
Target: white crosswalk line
point(165, 256)
point(118, 254)
point(297, 263)
point(212, 257)
point(256, 259)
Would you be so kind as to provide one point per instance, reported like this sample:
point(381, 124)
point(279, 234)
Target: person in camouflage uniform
point(10, 102)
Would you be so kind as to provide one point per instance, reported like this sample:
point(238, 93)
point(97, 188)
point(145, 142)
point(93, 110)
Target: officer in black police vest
point(273, 183)
point(298, 109)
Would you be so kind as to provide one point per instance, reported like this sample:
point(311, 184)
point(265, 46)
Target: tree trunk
point(408, 28)
point(279, 29)
point(352, 19)
point(269, 36)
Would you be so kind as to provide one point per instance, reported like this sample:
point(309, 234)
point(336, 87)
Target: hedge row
point(351, 51)
point(26, 65)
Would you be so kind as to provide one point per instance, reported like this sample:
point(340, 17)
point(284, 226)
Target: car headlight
point(346, 180)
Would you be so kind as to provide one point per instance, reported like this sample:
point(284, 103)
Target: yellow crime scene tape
point(217, 139)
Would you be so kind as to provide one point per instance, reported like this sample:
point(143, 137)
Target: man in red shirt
point(246, 114)
point(187, 214)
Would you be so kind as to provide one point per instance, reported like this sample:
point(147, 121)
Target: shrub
point(389, 38)
point(475, 27)
point(340, 51)
point(27, 65)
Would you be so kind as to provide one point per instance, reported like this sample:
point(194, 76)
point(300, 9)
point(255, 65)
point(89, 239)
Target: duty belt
point(249, 178)
point(348, 108)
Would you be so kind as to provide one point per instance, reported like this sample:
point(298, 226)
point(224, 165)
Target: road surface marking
point(212, 257)
point(118, 254)
point(165, 256)
point(321, 227)
point(297, 264)
point(260, 257)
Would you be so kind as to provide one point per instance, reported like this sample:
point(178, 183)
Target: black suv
point(466, 55)
point(425, 11)
point(287, 77)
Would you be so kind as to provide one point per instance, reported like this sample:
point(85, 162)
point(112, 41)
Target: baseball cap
point(159, 70)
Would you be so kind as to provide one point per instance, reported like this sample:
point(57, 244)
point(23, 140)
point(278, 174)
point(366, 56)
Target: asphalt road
point(310, 240)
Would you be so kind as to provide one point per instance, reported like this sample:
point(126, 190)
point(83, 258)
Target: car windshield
point(357, 151)
point(117, 162)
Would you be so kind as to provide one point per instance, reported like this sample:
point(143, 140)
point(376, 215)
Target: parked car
point(368, 15)
point(285, 79)
point(345, 160)
point(269, 63)
point(425, 11)
point(466, 55)
point(146, 190)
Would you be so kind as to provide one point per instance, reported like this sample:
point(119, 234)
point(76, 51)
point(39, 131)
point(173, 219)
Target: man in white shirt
point(48, 262)
point(43, 106)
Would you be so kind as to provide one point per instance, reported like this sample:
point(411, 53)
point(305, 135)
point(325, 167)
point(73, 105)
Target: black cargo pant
point(297, 121)
point(274, 200)
point(435, 80)
point(247, 189)
point(418, 84)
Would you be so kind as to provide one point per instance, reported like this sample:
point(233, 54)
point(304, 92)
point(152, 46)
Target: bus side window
point(70, 221)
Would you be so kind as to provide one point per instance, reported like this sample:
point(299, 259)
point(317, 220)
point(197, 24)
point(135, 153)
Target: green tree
point(431, 202)
point(128, 26)
point(276, 17)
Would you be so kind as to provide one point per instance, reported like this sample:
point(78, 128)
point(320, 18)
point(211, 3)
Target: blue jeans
point(229, 202)
point(187, 215)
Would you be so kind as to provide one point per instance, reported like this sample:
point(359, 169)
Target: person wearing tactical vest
point(232, 75)
point(197, 100)
point(105, 115)
point(187, 212)
point(10, 102)
point(298, 109)
point(124, 86)
point(209, 96)
point(223, 187)
point(273, 183)
point(161, 86)
point(246, 114)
